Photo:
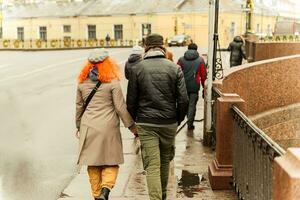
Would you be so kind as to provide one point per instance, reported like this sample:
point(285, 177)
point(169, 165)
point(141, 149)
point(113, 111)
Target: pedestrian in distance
point(193, 67)
point(99, 105)
point(157, 100)
point(237, 51)
point(135, 57)
point(107, 39)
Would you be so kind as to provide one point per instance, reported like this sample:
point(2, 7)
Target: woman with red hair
point(98, 123)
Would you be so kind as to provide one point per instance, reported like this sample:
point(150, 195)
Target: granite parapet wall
point(268, 92)
point(281, 124)
point(269, 50)
point(264, 85)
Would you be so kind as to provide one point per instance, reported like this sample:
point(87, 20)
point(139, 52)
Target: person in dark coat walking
point(238, 52)
point(157, 100)
point(107, 39)
point(193, 67)
point(134, 58)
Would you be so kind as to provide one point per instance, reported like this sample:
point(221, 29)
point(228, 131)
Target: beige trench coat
point(100, 140)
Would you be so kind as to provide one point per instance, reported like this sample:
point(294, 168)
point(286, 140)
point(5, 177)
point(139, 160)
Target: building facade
point(128, 20)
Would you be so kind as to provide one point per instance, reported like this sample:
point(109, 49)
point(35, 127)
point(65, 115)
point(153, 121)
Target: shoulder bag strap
point(86, 103)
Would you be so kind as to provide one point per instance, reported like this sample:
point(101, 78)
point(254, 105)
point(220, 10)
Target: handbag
point(89, 98)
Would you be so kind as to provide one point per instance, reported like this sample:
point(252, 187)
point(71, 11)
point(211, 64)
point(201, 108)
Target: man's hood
point(134, 57)
point(191, 54)
point(93, 75)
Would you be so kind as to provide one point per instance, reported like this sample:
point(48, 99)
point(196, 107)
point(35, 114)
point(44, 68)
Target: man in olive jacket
point(157, 100)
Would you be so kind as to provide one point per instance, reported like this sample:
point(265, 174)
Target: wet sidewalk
point(188, 174)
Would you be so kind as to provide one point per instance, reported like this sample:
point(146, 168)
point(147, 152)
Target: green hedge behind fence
point(280, 38)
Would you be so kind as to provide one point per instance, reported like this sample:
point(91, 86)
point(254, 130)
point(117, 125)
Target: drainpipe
point(176, 25)
point(208, 97)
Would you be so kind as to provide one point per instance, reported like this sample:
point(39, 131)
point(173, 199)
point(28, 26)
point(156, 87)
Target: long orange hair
point(108, 71)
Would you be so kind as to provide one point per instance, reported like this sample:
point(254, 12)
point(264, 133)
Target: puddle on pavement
point(190, 184)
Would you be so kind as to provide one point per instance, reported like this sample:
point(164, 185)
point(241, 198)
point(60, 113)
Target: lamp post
point(215, 69)
point(217, 62)
point(249, 16)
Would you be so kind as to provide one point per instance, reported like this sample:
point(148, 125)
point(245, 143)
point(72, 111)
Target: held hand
point(77, 134)
point(133, 130)
point(137, 145)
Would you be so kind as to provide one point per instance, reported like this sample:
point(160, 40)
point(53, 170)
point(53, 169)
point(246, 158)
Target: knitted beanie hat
point(98, 55)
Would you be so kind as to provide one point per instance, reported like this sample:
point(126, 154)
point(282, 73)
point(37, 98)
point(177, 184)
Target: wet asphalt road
point(38, 147)
point(37, 95)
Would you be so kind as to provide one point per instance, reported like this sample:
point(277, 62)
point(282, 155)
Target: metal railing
point(64, 43)
point(253, 156)
point(215, 95)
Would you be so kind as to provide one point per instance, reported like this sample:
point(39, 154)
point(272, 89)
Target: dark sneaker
point(191, 127)
point(164, 197)
point(104, 194)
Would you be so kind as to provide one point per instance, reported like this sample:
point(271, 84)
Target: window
point(91, 31)
point(20, 33)
point(67, 29)
point(232, 29)
point(43, 32)
point(257, 28)
point(118, 28)
point(146, 29)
